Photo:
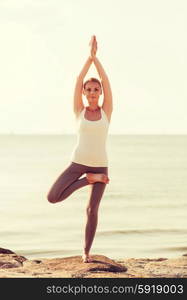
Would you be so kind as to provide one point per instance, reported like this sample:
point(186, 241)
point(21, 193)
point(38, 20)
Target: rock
point(37, 261)
point(74, 267)
point(173, 267)
point(6, 251)
point(58, 267)
point(13, 265)
point(6, 265)
point(152, 268)
point(99, 264)
point(9, 259)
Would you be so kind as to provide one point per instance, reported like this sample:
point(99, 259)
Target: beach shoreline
point(12, 265)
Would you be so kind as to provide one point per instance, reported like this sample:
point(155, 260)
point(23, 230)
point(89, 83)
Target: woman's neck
point(93, 108)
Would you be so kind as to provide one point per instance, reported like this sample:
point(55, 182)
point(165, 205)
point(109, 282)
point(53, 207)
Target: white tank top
point(90, 149)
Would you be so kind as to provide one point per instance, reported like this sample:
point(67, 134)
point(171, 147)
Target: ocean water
point(142, 212)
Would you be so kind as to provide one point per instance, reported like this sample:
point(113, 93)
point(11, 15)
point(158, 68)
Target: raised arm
point(107, 100)
point(78, 102)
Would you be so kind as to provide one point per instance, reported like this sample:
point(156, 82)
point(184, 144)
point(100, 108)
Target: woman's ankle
point(86, 258)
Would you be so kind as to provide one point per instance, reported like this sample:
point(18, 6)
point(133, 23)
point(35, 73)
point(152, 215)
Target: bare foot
point(97, 177)
point(86, 258)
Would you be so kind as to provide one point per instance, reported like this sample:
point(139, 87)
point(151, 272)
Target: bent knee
point(51, 198)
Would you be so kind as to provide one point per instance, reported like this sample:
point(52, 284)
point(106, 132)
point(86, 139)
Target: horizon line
point(74, 134)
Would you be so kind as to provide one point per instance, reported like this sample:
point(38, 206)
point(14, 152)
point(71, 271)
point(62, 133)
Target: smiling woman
point(89, 155)
point(92, 90)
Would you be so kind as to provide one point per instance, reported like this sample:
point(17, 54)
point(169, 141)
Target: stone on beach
point(13, 265)
point(55, 267)
point(9, 259)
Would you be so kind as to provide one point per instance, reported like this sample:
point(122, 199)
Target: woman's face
point(92, 92)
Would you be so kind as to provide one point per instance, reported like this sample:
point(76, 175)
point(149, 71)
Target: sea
point(142, 214)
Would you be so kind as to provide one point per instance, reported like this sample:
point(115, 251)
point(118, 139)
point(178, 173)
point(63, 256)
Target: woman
point(89, 156)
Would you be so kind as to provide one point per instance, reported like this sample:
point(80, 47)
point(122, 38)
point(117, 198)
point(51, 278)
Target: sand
point(13, 265)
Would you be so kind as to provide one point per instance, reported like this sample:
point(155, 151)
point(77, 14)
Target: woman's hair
point(92, 79)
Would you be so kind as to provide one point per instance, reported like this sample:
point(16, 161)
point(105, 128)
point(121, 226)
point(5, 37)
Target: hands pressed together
point(93, 46)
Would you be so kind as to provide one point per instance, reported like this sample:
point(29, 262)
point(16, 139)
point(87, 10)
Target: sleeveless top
point(90, 149)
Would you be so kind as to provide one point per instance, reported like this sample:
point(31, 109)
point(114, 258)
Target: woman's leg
point(97, 190)
point(67, 183)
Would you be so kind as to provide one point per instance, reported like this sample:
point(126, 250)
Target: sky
point(142, 46)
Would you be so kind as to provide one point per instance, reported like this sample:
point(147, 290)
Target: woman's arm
point(78, 103)
point(107, 101)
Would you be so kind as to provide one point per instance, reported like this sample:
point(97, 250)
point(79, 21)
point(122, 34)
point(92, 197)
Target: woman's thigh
point(69, 175)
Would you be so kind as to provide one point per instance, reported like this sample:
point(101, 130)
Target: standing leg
point(67, 183)
point(97, 191)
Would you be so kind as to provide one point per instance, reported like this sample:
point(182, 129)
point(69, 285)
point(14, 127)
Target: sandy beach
point(13, 265)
